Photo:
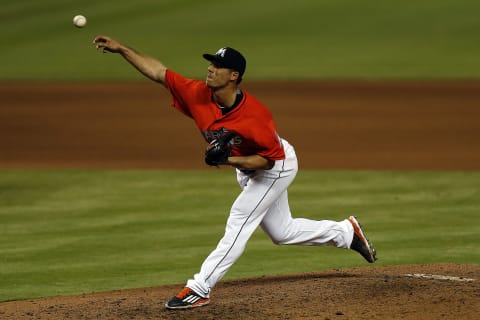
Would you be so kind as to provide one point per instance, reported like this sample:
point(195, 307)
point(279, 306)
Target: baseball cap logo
point(221, 52)
point(228, 57)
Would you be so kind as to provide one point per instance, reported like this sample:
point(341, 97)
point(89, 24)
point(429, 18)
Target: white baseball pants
point(264, 201)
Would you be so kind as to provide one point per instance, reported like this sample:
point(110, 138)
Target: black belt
point(245, 171)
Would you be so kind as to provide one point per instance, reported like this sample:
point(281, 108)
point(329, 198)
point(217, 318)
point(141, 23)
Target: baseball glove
point(219, 149)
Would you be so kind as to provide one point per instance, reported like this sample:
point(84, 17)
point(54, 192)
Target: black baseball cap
point(227, 57)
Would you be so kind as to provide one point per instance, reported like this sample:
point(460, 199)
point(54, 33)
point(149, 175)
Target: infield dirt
point(333, 125)
point(350, 125)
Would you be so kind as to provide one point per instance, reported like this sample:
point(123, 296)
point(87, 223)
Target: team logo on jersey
point(214, 134)
point(221, 52)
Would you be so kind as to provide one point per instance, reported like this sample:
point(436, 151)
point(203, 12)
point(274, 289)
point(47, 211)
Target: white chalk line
point(438, 277)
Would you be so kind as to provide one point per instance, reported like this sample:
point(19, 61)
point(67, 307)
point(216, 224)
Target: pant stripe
point(246, 220)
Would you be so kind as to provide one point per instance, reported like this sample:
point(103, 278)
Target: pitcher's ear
point(234, 76)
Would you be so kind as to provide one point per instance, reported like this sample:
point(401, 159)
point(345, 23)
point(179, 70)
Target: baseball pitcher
point(240, 133)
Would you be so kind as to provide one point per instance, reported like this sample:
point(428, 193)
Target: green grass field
point(302, 39)
point(72, 231)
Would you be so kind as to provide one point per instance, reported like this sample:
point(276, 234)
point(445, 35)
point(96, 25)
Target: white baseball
point(79, 21)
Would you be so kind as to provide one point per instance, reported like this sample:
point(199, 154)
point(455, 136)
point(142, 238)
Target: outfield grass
point(74, 231)
point(302, 39)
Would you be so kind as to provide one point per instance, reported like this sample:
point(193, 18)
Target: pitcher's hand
point(107, 44)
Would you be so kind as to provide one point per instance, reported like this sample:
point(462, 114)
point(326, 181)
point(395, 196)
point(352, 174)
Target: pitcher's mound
point(440, 291)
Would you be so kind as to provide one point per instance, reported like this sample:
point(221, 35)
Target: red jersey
point(250, 119)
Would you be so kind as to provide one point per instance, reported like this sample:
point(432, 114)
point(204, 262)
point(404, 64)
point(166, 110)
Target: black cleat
point(360, 242)
point(186, 299)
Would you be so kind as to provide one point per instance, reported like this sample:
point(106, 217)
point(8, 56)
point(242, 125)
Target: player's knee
point(279, 239)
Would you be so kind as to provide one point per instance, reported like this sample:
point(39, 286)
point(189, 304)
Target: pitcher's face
point(218, 77)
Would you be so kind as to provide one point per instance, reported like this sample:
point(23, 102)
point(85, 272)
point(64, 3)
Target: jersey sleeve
point(181, 89)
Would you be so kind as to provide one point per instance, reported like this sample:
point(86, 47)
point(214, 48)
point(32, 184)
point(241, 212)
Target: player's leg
point(246, 214)
point(283, 229)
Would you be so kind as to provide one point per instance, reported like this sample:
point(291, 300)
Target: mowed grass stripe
point(305, 39)
point(74, 231)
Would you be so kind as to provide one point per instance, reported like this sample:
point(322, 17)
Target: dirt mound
point(440, 291)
